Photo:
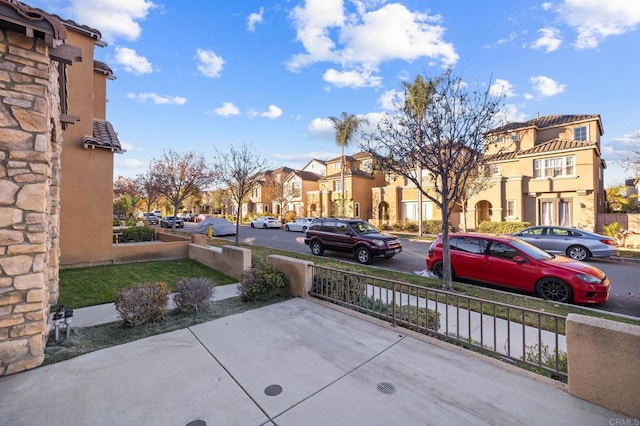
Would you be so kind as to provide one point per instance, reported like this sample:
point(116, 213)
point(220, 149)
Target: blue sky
point(200, 75)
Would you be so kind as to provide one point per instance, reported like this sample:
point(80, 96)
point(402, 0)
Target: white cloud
point(391, 99)
point(595, 20)
point(546, 86)
point(509, 114)
point(210, 64)
point(157, 99)
point(227, 109)
point(322, 128)
point(502, 88)
point(351, 78)
point(114, 18)
point(547, 6)
point(254, 18)
point(131, 62)
point(550, 40)
point(272, 112)
point(363, 40)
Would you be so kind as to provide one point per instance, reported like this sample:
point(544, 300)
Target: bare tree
point(479, 181)
point(345, 129)
point(280, 191)
point(631, 161)
point(239, 170)
point(178, 175)
point(452, 145)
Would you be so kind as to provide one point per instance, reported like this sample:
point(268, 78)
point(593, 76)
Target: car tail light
point(609, 242)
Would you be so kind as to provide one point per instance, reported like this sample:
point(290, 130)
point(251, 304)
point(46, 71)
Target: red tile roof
point(103, 137)
point(546, 121)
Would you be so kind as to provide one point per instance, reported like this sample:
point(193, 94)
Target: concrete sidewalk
point(292, 363)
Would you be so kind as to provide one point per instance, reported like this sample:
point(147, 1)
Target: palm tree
point(417, 100)
point(345, 128)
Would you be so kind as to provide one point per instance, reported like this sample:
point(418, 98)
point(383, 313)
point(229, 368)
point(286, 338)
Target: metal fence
point(525, 337)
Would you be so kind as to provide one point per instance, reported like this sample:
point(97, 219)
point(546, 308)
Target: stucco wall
point(30, 147)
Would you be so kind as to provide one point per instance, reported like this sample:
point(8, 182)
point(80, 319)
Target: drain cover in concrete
point(386, 387)
point(197, 423)
point(273, 390)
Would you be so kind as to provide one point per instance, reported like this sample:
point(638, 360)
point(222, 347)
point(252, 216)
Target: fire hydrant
point(210, 231)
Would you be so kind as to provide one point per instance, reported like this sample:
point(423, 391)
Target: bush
point(261, 282)
point(142, 304)
point(345, 288)
point(502, 227)
point(410, 227)
point(288, 216)
point(397, 226)
point(433, 227)
point(193, 294)
point(415, 318)
point(615, 231)
point(137, 233)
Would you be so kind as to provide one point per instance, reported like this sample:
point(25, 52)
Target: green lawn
point(94, 285)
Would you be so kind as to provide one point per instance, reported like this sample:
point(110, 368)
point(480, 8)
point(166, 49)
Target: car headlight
point(590, 279)
point(379, 243)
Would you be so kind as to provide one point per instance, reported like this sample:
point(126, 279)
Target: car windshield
point(364, 228)
point(531, 250)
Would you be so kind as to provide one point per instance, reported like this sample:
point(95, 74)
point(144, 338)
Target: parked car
point(266, 222)
point(219, 226)
point(572, 242)
point(151, 218)
point(507, 261)
point(167, 222)
point(355, 236)
point(300, 224)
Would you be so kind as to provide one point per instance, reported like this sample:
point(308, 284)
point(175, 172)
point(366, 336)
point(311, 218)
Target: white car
point(266, 222)
point(299, 225)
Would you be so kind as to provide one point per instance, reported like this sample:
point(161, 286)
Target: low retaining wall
point(603, 362)
point(153, 250)
point(298, 272)
point(230, 260)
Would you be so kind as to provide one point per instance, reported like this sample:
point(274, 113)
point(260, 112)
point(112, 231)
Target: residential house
point(301, 184)
point(546, 171)
point(43, 57)
point(354, 200)
point(90, 141)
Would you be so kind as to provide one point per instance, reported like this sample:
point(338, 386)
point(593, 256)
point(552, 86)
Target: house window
point(580, 134)
point(556, 212)
point(357, 210)
point(500, 139)
point(554, 167)
point(511, 208)
point(495, 170)
point(514, 137)
point(335, 166)
point(337, 185)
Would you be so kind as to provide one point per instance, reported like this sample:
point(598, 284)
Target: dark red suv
point(355, 236)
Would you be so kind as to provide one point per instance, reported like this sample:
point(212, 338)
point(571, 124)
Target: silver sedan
point(299, 224)
point(574, 243)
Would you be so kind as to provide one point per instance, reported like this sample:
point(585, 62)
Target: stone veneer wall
point(30, 147)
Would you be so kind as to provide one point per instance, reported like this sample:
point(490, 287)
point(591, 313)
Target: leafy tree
point(148, 188)
point(178, 175)
point(127, 195)
point(345, 129)
point(450, 149)
point(239, 170)
point(617, 200)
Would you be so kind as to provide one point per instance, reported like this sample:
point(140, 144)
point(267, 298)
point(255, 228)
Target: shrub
point(410, 227)
point(547, 358)
point(502, 227)
point(433, 227)
point(143, 303)
point(615, 231)
point(288, 216)
point(137, 233)
point(411, 317)
point(261, 282)
point(193, 294)
point(397, 226)
point(343, 287)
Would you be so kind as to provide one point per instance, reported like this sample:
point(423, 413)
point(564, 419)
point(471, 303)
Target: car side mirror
point(519, 259)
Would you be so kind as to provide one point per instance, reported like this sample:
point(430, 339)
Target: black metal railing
point(525, 337)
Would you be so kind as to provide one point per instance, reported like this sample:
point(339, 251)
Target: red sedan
point(510, 262)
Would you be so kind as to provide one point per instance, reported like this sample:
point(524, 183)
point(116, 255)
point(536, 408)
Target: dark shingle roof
point(103, 137)
point(546, 121)
point(102, 67)
point(18, 16)
point(306, 175)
